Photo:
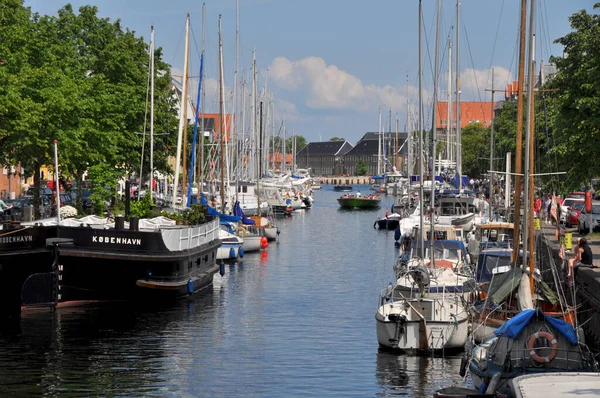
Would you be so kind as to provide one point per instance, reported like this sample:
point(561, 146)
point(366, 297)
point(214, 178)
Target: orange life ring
point(531, 347)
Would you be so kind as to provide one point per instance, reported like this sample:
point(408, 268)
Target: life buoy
point(531, 347)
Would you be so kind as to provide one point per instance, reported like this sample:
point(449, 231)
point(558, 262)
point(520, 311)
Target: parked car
point(584, 225)
point(564, 208)
point(573, 213)
point(27, 201)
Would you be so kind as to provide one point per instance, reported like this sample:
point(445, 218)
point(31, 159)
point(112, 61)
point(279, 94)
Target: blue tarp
point(237, 211)
point(295, 176)
point(381, 177)
point(465, 181)
point(514, 326)
point(213, 212)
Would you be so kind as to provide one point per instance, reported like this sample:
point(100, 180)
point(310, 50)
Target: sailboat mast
point(185, 135)
point(221, 119)
point(433, 129)
point(449, 119)
point(409, 166)
point(458, 126)
point(491, 150)
point(151, 112)
point(519, 138)
point(420, 154)
point(253, 145)
point(201, 163)
point(235, 98)
point(396, 164)
point(182, 121)
point(379, 145)
point(529, 144)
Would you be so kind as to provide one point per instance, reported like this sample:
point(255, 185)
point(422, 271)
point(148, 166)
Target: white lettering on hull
point(116, 241)
point(16, 239)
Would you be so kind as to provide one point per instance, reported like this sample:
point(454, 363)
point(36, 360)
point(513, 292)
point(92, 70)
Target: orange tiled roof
point(278, 155)
point(470, 112)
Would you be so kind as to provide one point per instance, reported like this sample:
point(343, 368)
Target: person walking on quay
point(406, 244)
point(583, 257)
point(546, 209)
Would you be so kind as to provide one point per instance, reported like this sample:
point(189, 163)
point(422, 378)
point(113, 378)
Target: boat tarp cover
point(443, 244)
point(237, 211)
point(514, 326)
point(465, 181)
point(503, 285)
point(381, 177)
point(213, 212)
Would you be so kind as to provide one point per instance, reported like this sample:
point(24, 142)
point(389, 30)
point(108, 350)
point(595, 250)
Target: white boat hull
point(445, 325)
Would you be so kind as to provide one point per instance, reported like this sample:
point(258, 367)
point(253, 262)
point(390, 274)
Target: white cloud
point(474, 82)
point(329, 87)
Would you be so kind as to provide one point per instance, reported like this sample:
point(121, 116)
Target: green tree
point(574, 103)
point(337, 139)
point(475, 149)
point(300, 143)
point(361, 168)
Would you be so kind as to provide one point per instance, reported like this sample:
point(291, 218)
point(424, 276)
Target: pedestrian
point(546, 208)
point(406, 243)
point(583, 257)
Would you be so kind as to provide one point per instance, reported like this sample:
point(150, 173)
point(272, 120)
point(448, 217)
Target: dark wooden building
point(324, 158)
point(367, 149)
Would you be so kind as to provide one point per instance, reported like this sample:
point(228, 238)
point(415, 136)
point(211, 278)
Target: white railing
point(185, 238)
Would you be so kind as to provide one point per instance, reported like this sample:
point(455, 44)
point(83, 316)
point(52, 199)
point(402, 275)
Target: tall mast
point(433, 131)
point(221, 119)
point(420, 154)
point(236, 162)
point(409, 133)
point(519, 138)
point(458, 127)
point(185, 135)
point(396, 151)
point(253, 153)
point(389, 138)
point(491, 150)
point(529, 148)
point(379, 145)
point(151, 112)
point(182, 121)
point(201, 164)
point(449, 119)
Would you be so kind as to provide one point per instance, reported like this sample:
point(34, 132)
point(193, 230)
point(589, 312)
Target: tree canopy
point(574, 103)
point(81, 80)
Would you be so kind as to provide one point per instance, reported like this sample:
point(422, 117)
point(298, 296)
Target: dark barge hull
point(99, 265)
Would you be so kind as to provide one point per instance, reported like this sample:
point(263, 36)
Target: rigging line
point(474, 70)
point(495, 41)
point(545, 27)
point(195, 42)
point(178, 44)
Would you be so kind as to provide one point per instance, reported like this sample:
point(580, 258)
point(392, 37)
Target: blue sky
point(332, 63)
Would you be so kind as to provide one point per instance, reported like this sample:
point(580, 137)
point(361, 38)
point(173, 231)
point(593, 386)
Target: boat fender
point(232, 253)
point(531, 346)
point(397, 234)
point(463, 366)
point(241, 252)
point(491, 388)
point(190, 286)
point(222, 268)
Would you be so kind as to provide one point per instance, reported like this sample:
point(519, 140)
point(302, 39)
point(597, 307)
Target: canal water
point(297, 320)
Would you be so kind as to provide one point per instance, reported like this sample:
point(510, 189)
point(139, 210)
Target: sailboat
point(539, 336)
point(419, 313)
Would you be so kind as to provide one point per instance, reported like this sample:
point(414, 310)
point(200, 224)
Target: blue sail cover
point(378, 178)
point(465, 181)
point(237, 211)
point(514, 326)
point(213, 212)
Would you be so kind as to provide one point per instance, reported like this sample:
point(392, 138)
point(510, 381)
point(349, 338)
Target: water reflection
point(416, 376)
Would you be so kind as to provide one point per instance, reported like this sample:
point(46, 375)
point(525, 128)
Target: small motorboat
point(389, 222)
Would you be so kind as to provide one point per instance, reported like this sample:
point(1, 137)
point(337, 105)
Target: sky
point(332, 64)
